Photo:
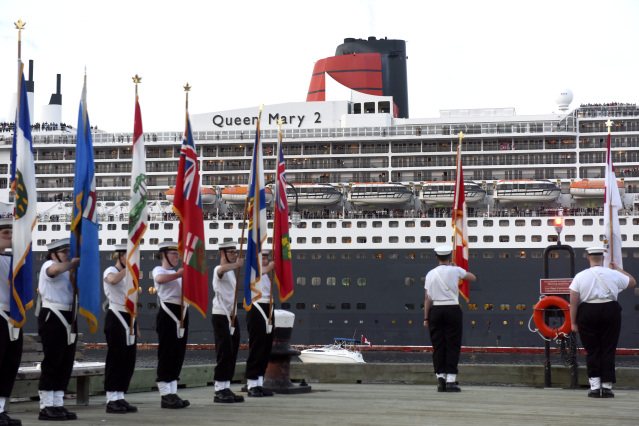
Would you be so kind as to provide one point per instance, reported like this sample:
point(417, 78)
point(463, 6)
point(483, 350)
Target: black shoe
point(185, 402)
point(441, 384)
point(51, 414)
point(228, 397)
point(114, 408)
point(244, 388)
point(594, 394)
point(129, 408)
point(70, 415)
point(171, 401)
point(6, 420)
point(266, 392)
point(255, 392)
point(607, 393)
point(452, 387)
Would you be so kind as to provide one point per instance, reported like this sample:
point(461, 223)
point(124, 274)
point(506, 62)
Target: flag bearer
point(120, 358)
point(260, 337)
point(443, 317)
point(172, 337)
point(10, 350)
point(596, 316)
point(227, 337)
point(54, 319)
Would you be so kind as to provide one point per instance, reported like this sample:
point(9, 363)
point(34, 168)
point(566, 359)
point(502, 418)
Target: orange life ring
point(538, 316)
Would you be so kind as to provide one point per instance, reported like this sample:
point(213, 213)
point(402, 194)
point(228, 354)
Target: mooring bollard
point(277, 377)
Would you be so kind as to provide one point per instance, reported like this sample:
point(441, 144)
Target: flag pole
point(609, 195)
point(187, 89)
point(277, 189)
point(459, 148)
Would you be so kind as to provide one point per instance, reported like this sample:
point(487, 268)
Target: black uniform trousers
point(445, 326)
point(120, 358)
point(599, 328)
point(57, 364)
point(260, 343)
point(171, 350)
point(10, 356)
point(226, 347)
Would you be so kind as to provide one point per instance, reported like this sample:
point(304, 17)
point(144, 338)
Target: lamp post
point(296, 216)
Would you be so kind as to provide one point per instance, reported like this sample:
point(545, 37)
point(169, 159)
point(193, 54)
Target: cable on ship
point(546, 332)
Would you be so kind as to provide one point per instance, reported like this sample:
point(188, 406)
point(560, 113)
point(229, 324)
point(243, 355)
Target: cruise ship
point(370, 192)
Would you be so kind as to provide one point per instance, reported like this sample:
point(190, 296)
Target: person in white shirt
point(596, 315)
point(120, 357)
point(172, 337)
point(227, 337)
point(443, 317)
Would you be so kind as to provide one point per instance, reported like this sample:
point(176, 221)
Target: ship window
point(331, 240)
point(302, 225)
point(489, 307)
point(424, 239)
point(300, 255)
point(67, 227)
point(390, 239)
point(535, 222)
point(298, 305)
point(362, 240)
point(409, 281)
point(504, 222)
point(409, 239)
point(552, 238)
point(346, 256)
point(346, 240)
point(473, 255)
point(361, 306)
point(346, 224)
point(536, 255)
point(377, 224)
point(622, 221)
point(440, 223)
point(393, 256)
point(489, 255)
point(330, 281)
point(125, 241)
point(330, 306)
point(316, 240)
point(361, 255)
point(520, 254)
point(301, 280)
point(601, 221)
point(426, 224)
point(316, 256)
point(155, 226)
point(424, 255)
point(212, 240)
point(488, 223)
point(301, 240)
point(286, 305)
point(488, 238)
point(331, 256)
point(570, 238)
point(228, 225)
point(125, 226)
point(42, 242)
point(361, 224)
point(409, 256)
point(269, 241)
point(635, 237)
point(535, 238)
point(586, 222)
point(168, 226)
point(110, 226)
point(440, 239)
point(393, 224)
point(504, 238)
point(42, 227)
point(315, 306)
point(361, 281)
point(409, 224)
point(346, 281)
point(554, 255)
point(269, 225)
point(214, 225)
point(152, 305)
point(212, 255)
point(55, 227)
point(346, 305)
point(316, 224)
point(504, 255)
point(571, 222)
point(472, 223)
point(316, 281)
point(519, 222)
point(587, 238)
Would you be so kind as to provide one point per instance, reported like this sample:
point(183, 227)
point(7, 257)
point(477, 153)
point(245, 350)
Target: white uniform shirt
point(266, 289)
point(56, 289)
point(168, 290)
point(5, 291)
point(115, 293)
point(451, 276)
point(587, 285)
point(224, 289)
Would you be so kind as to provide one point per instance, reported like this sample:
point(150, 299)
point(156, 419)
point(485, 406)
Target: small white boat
point(312, 194)
point(523, 190)
point(342, 351)
point(443, 192)
point(385, 193)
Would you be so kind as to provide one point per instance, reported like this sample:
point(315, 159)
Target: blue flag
point(84, 228)
point(24, 188)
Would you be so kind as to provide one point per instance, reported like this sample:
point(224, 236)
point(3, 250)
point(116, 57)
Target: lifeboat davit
point(312, 194)
point(209, 196)
point(384, 193)
point(592, 188)
point(237, 194)
point(443, 192)
point(526, 190)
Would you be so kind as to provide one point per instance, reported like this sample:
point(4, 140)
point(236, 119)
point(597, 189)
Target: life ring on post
point(538, 316)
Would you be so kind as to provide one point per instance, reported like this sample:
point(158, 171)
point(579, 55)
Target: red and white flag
point(365, 341)
point(612, 205)
point(460, 235)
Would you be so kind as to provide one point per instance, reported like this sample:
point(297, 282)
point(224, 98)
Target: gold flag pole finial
point(137, 80)
point(279, 125)
point(260, 115)
point(609, 125)
point(461, 136)
point(20, 26)
point(187, 89)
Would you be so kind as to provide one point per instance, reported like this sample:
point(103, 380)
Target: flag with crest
point(612, 205)
point(281, 237)
point(460, 236)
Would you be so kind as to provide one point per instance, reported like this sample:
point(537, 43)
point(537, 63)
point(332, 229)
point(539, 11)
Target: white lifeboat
point(386, 193)
point(312, 194)
point(526, 190)
point(592, 188)
point(209, 196)
point(237, 194)
point(443, 192)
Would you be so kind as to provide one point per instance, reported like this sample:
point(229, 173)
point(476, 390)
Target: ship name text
point(222, 121)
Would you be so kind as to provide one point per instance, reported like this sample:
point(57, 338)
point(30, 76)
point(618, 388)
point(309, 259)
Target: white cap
point(168, 245)
point(443, 250)
point(120, 247)
point(596, 251)
point(266, 251)
point(54, 245)
point(6, 222)
point(227, 245)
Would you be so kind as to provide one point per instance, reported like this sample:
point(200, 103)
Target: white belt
point(54, 305)
point(445, 302)
point(598, 301)
point(174, 301)
point(14, 333)
point(5, 307)
point(56, 308)
point(180, 330)
point(116, 307)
